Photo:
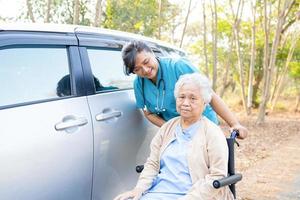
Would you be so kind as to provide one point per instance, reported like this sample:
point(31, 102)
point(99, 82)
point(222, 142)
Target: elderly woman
point(187, 153)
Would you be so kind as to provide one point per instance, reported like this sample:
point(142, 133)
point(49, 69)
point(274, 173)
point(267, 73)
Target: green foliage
point(295, 70)
point(61, 11)
point(138, 16)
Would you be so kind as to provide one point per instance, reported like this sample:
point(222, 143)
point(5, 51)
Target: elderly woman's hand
point(243, 131)
point(134, 194)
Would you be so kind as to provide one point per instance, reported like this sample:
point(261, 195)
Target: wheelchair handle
point(227, 181)
point(234, 134)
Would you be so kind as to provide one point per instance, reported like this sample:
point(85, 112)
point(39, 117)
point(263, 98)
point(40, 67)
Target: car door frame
point(68, 40)
point(11, 39)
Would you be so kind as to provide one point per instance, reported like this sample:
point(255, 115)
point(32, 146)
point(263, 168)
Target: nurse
point(155, 82)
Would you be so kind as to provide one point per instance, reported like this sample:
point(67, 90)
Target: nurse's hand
point(243, 131)
point(153, 118)
point(134, 194)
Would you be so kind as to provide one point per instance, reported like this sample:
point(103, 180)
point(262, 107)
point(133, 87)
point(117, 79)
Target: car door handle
point(105, 116)
point(71, 123)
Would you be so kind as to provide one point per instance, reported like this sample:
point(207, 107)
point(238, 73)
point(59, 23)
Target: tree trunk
point(204, 39)
point(297, 102)
point(159, 19)
point(76, 12)
point(281, 78)
point(276, 81)
point(185, 23)
point(261, 115)
point(47, 19)
point(252, 62)
point(98, 13)
point(214, 42)
point(30, 12)
point(228, 63)
point(236, 25)
point(266, 93)
point(225, 84)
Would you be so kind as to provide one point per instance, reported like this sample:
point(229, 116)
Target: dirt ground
point(269, 158)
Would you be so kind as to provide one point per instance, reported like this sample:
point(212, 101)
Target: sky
point(10, 8)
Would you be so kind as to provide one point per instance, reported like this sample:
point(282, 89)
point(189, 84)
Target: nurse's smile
point(146, 66)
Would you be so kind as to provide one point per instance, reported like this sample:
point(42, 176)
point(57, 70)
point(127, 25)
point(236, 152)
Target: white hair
point(199, 81)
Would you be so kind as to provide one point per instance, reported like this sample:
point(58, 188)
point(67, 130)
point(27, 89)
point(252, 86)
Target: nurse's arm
point(224, 112)
point(153, 118)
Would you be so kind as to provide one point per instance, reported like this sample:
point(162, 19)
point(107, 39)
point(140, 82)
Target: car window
point(107, 68)
point(33, 73)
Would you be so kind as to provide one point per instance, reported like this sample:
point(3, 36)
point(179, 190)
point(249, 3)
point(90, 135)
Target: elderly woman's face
point(189, 102)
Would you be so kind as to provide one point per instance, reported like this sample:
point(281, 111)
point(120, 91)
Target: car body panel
point(39, 162)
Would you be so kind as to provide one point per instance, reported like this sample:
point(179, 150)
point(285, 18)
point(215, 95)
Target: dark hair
point(63, 87)
point(129, 53)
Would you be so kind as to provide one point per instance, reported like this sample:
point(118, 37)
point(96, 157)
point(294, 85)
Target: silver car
point(69, 125)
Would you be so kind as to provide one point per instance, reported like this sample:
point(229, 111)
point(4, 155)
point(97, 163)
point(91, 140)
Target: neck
point(153, 80)
point(185, 123)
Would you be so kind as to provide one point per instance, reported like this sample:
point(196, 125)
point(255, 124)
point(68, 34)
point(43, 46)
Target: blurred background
point(250, 50)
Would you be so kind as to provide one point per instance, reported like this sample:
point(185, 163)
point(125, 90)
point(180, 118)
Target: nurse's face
point(146, 65)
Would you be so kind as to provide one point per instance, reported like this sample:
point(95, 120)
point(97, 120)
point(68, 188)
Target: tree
point(47, 16)
point(282, 14)
point(98, 13)
point(76, 12)
point(204, 39)
point(236, 31)
point(141, 17)
point(185, 23)
point(295, 74)
point(29, 10)
point(279, 85)
point(215, 42)
point(252, 63)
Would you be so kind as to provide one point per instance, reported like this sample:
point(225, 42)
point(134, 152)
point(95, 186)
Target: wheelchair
point(232, 177)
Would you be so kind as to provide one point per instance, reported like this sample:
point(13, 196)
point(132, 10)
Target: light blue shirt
point(159, 98)
point(174, 180)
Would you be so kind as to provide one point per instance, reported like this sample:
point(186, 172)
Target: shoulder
point(172, 121)
point(183, 66)
point(137, 82)
point(173, 61)
point(213, 130)
point(166, 127)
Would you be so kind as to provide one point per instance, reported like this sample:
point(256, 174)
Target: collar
point(159, 72)
point(189, 132)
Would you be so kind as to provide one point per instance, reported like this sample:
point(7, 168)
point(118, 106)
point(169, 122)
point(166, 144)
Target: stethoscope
point(159, 108)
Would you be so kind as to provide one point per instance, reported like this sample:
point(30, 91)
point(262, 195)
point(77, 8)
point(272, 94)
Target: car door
point(46, 141)
point(121, 133)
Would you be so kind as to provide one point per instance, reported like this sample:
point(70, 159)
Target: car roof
point(66, 28)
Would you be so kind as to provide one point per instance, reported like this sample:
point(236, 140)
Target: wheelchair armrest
point(232, 179)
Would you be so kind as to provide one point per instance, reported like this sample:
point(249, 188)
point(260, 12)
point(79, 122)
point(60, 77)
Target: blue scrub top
point(160, 98)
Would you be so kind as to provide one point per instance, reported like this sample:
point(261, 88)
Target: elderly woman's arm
point(217, 152)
